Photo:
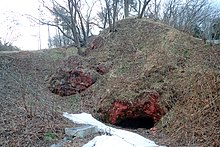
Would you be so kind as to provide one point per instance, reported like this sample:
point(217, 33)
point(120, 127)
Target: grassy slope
point(148, 56)
point(145, 56)
point(30, 114)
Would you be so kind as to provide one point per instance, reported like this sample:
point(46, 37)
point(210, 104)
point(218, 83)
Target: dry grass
point(149, 56)
point(195, 118)
point(30, 114)
point(145, 56)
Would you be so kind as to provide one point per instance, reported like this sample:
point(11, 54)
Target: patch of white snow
point(114, 138)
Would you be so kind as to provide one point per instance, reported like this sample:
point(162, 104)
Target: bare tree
point(115, 10)
point(102, 18)
point(153, 10)
point(109, 14)
point(68, 17)
point(146, 2)
point(88, 16)
point(10, 32)
point(112, 13)
point(184, 15)
point(216, 28)
point(115, 14)
point(126, 8)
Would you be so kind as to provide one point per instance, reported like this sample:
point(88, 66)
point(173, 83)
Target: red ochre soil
point(138, 114)
point(70, 82)
point(75, 76)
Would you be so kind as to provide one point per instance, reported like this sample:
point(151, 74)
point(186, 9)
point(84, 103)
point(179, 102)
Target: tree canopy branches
point(74, 19)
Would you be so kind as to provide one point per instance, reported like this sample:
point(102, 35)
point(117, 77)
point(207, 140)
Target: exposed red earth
point(66, 83)
point(144, 112)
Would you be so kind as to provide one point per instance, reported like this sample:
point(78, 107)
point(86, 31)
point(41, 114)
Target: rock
point(82, 131)
point(74, 77)
point(65, 83)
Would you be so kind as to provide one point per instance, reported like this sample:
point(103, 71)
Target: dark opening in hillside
point(135, 123)
point(144, 112)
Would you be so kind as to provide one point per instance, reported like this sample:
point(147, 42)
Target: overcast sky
point(28, 33)
point(12, 13)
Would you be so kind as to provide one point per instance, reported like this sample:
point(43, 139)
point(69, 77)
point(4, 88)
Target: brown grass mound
point(148, 56)
point(142, 57)
point(195, 118)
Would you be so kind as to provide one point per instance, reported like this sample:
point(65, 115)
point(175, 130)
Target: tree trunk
point(144, 7)
point(82, 27)
point(126, 7)
point(109, 15)
point(115, 6)
point(72, 5)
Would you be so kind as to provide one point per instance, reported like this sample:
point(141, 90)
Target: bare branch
point(144, 7)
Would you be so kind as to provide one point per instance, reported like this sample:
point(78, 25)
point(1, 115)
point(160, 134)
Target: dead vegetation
point(30, 115)
point(148, 56)
point(143, 56)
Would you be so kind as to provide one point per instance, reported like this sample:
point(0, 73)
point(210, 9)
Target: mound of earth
point(154, 76)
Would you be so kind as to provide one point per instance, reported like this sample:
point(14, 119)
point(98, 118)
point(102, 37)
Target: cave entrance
point(137, 122)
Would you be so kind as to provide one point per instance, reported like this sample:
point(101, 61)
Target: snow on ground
point(113, 137)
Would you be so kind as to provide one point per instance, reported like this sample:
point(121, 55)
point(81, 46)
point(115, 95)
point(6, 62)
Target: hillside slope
point(153, 74)
point(148, 56)
point(146, 77)
point(30, 114)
